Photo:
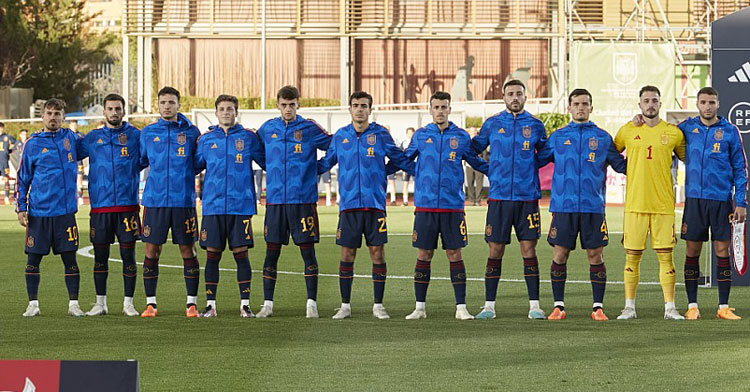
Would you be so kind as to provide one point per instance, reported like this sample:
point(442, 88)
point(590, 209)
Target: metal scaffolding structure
point(683, 23)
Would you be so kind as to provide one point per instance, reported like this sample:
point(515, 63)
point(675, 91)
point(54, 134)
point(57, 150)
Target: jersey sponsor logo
point(719, 134)
point(527, 132)
point(665, 139)
point(429, 140)
point(30, 241)
point(454, 143)
point(345, 141)
point(593, 143)
point(66, 144)
point(122, 138)
point(526, 146)
point(204, 235)
point(592, 157)
point(298, 148)
point(238, 158)
point(371, 139)
point(298, 135)
point(146, 231)
point(44, 150)
point(239, 144)
point(567, 142)
point(452, 156)
point(180, 151)
point(637, 137)
point(501, 130)
point(123, 151)
point(181, 138)
point(100, 141)
point(370, 152)
point(213, 146)
point(70, 157)
point(156, 139)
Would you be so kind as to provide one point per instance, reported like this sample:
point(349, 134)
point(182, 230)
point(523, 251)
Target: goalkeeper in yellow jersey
point(649, 198)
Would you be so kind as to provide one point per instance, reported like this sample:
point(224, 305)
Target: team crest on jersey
point(204, 235)
point(414, 236)
point(298, 135)
point(527, 132)
point(30, 241)
point(719, 134)
point(454, 143)
point(66, 144)
point(239, 145)
point(146, 231)
point(593, 143)
point(665, 139)
point(371, 139)
point(553, 232)
point(181, 139)
point(122, 138)
point(488, 230)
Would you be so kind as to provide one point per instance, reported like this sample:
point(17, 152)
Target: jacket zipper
point(62, 168)
point(112, 154)
point(703, 158)
point(580, 165)
point(513, 159)
point(226, 170)
point(440, 167)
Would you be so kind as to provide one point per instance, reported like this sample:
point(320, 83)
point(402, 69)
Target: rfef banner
point(68, 376)
point(615, 72)
point(730, 76)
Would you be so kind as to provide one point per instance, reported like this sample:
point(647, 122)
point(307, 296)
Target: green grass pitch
point(289, 352)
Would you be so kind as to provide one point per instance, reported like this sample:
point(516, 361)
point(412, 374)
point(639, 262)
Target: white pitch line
point(86, 252)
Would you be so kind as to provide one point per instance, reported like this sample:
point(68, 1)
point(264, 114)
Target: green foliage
point(553, 121)
point(475, 122)
point(47, 47)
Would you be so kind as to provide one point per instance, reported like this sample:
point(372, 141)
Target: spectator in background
point(474, 178)
point(407, 177)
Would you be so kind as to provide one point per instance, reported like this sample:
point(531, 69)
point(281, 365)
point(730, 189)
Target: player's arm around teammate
point(46, 203)
point(581, 152)
point(514, 137)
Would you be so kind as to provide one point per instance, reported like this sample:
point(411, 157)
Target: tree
point(47, 46)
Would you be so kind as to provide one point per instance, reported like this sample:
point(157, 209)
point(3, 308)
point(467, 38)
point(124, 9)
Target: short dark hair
point(360, 95)
point(410, 129)
point(23, 130)
point(708, 91)
point(2, 125)
point(649, 88)
point(577, 92)
point(169, 90)
point(288, 92)
point(114, 97)
point(227, 98)
point(440, 95)
point(55, 103)
point(514, 82)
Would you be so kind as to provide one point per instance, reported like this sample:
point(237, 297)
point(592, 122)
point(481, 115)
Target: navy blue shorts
point(354, 224)
point(104, 226)
point(157, 221)
point(58, 232)
point(325, 177)
point(502, 215)
point(299, 220)
point(565, 227)
point(217, 230)
point(702, 214)
point(450, 226)
point(4, 168)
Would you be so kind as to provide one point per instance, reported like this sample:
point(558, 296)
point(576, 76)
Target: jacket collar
point(433, 128)
point(236, 128)
point(182, 121)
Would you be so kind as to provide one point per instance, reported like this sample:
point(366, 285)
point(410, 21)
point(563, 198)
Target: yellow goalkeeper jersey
point(649, 150)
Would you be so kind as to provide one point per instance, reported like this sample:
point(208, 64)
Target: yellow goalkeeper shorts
point(637, 226)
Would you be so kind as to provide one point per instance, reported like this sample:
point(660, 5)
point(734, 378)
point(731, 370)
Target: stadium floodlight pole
point(263, 55)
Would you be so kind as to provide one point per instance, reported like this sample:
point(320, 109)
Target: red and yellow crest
point(371, 139)
point(146, 231)
point(239, 145)
point(454, 143)
point(593, 143)
point(204, 235)
point(181, 138)
point(66, 144)
point(719, 134)
point(122, 138)
point(298, 135)
point(527, 132)
point(30, 241)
